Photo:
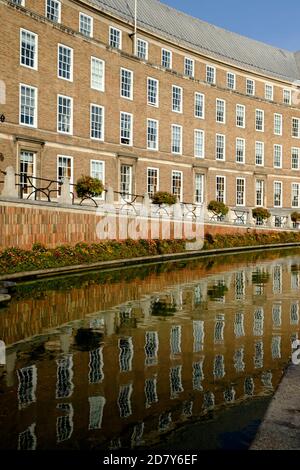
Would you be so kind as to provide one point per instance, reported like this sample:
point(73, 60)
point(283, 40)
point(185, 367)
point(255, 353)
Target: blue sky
point(272, 21)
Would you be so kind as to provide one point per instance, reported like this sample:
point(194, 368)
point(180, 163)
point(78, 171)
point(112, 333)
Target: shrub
point(162, 197)
point(261, 213)
point(218, 207)
point(87, 186)
point(295, 216)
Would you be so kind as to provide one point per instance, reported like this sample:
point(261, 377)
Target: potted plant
point(162, 197)
point(260, 214)
point(219, 209)
point(88, 187)
point(295, 217)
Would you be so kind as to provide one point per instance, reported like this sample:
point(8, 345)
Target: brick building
point(180, 106)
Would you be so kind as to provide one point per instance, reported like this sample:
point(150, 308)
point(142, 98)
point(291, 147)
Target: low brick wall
point(22, 224)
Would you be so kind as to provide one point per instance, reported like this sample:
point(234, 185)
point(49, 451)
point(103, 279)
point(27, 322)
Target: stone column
point(10, 189)
point(65, 195)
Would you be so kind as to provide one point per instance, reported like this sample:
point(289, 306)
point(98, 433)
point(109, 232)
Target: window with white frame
point(151, 348)
point(295, 194)
point(97, 170)
point(19, 2)
point(210, 74)
point(152, 181)
point(176, 99)
point(26, 169)
point(64, 168)
point(189, 67)
point(142, 49)
point(53, 10)
point(259, 153)
point(220, 111)
point(277, 156)
point(97, 74)
point(277, 124)
point(177, 184)
point(86, 25)
point(199, 105)
point(231, 81)
point(176, 139)
point(126, 181)
point(166, 58)
point(296, 127)
point(97, 122)
point(28, 105)
point(240, 191)
point(126, 86)
point(295, 158)
point(220, 147)
point(115, 38)
point(152, 91)
point(125, 354)
point(277, 193)
point(287, 97)
point(240, 150)
point(64, 114)
point(199, 143)
point(152, 134)
point(259, 193)
point(240, 115)
point(199, 188)
point(269, 92)
point(65, 62)
point(250, 87)
point(220, 188)
point(259, 120)
point(125, 128)
point(29, 49)
point(27, 386)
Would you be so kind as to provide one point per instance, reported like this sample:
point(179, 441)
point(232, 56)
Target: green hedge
point(14, 260)
point(249, 239)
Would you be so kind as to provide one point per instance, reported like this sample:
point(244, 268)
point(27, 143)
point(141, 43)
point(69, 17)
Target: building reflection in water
point(171, 353)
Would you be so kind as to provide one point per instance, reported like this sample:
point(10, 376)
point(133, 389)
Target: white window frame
point(192, 63)
point(236, 191)
point(285, 90)
point(130, 97)
point(228, 81)
point(209, 69)
point(298, 152)
point(72, 166)
point(203, 105)
point(292, 200)
point(181, 99)
point(202, 153)
point(298, 120)
point(271, 87)
point(71, 68)
point(253, 86)
point(71, 118)
point(171, 58)
point(263, 120)
point(181, 187)
point(219, 100)
point(103, 179)
point(180, 150)
point(243, 108)
point(35, 119)
point(276, 116)
point(127, 196)
point(262, 155)
point(277, 146)
point(224, 147)
point(157, 135)
point(280, 183)
point(102, 87)
point(157, 172)
point(131, 130)
point(201, 198)
point(224, 184)
point(101, 139)
point(119, 47)
point(146, 48)
point(36, 44)
point(262, 192)
point(81, 14)
point(156, 104)
point(25, 190)
point(244, 150)
point(59, 11)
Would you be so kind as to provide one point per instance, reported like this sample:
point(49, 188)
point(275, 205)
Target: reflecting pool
point(184, 354)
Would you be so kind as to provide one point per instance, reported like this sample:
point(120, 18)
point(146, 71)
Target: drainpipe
point(135, 28)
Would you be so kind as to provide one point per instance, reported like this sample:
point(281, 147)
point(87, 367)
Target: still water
point(182, 355)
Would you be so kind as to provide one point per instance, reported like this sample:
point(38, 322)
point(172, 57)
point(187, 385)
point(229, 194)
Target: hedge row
point(249, 239)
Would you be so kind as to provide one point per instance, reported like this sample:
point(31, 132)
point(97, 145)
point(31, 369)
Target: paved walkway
point(280, 429)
